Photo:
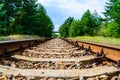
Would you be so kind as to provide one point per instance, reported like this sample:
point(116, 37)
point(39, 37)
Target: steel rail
point(6, 47)
point(110, 51)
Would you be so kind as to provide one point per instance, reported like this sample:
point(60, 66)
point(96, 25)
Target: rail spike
point(82, 47)
point(89, 49)
point(76, 44)
point(102, 53)
point(118, 63)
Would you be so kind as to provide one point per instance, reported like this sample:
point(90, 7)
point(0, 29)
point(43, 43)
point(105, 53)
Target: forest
point(27, 17)
point(91, 24)
point(24, 17)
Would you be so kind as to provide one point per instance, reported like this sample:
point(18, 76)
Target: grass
point(18, 37)
point(99, 39)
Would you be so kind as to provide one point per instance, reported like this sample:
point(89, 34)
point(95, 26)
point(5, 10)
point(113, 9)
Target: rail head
point(102, 45)
point(10, 46)
point(24, 40)
point(110, 51)
point(117, 47)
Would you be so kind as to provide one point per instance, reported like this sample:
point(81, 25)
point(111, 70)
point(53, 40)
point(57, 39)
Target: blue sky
point(60, 10)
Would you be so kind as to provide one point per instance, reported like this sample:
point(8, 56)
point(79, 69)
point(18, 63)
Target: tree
point(45, 27)
point(34, 20)
point(102, 29)
point(90, 23)
point(10, 7)
point(112, 11)
point(96, 21)
point(64, 28)
point(112, 29)
point(76, 29)
point(2, 12)
point(28, 18)
point(24, 17)
point(86, 22)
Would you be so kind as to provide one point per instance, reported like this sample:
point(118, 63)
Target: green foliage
point(111, 25)
point(64, 28)
point(113, 11)
point(28, 18)
point(76, 29)
point(109, 30)
point(24, 17)
point(101, 30)
point(93, 24)
point(112, 30)
point(54, 35)
point(46, 25)
point(2, 13)
point(90, 23)
point(86, 22)
point(18, 29)
point(96, 21)
point(8, 18)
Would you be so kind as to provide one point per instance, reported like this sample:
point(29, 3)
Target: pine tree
point(45, 25)
point(7, 18)
point(86, 22)
point(28, 18)
point(64, 28)
point(112, 12)
point(24, 17)
point(2, 12)
point(90, 23)
point(76, 29)
point(11, 7)
point(95, 23)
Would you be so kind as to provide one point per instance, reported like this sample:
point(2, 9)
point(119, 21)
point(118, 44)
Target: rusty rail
point(110, 51)
point(6, 47)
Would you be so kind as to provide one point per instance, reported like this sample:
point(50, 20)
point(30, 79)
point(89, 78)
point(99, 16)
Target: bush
point(112, 29)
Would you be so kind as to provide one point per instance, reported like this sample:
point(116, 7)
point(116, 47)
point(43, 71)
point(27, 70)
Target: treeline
point(24, 17)
point(91, 24)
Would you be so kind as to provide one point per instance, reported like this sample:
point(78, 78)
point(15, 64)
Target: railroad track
point(57, 59)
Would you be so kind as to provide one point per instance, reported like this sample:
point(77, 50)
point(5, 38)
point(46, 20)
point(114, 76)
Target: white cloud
point(74, 8)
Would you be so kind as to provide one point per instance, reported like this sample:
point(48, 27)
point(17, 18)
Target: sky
point(60, 10)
